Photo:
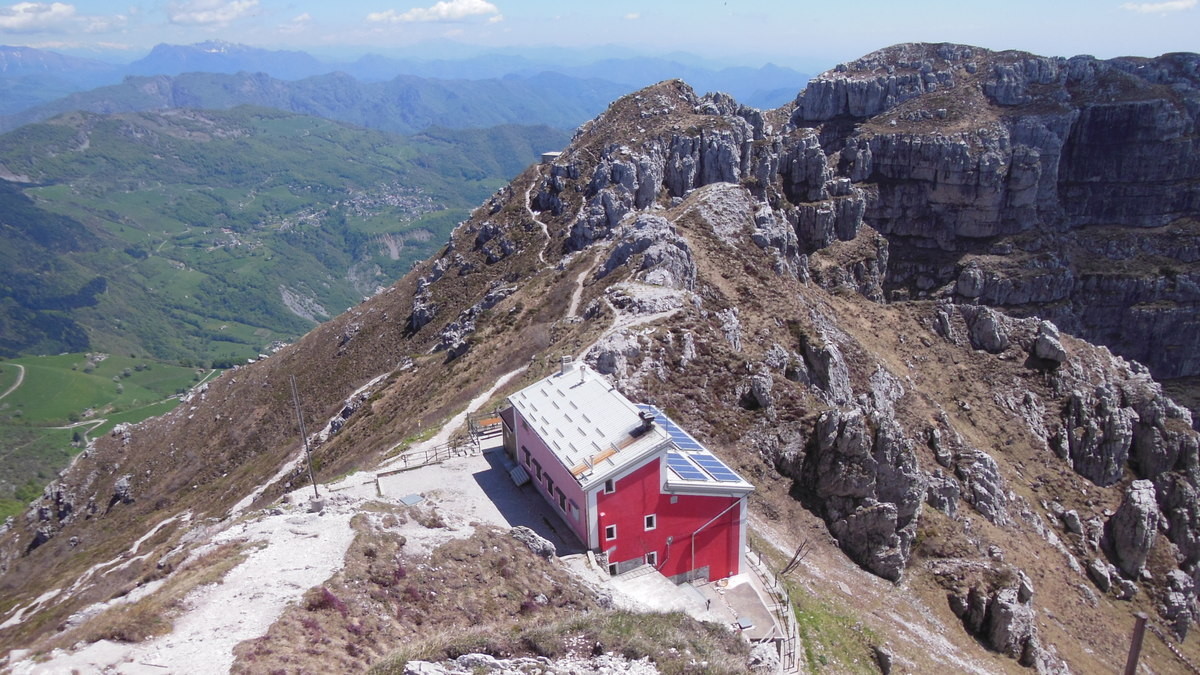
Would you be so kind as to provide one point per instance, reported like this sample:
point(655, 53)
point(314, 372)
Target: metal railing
point(461, 446)
point(788, 645)
point(480, 426)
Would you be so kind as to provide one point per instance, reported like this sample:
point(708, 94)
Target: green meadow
point(65, 400)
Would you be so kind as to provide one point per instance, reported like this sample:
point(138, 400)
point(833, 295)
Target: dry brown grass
point(674, 642)
point(154, 614)
point(385, 598)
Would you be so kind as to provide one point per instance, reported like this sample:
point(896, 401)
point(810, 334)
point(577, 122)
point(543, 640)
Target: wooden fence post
point(1135, 644)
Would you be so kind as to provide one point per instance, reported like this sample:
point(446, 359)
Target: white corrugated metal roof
point(587, 423)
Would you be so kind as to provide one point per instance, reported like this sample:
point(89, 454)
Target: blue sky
point(800, 33)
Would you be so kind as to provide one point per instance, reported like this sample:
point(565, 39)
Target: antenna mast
point(303, 436)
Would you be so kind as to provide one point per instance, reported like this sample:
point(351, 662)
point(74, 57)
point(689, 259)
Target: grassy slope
point(175, 233)
point(56, 392)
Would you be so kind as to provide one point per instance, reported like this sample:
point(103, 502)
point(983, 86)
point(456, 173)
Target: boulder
point(1098, 571)
point(1010, 625)
point(1047, 345)
point(536, 543)
point(1071, 521)
point(763, 659)
point(986, 329)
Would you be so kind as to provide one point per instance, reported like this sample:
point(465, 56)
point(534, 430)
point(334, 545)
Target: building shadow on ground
point(524, 506)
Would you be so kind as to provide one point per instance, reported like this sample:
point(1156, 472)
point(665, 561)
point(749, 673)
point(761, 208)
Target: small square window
point(652, 558)
point(612, 569)
point(674, 499)
point(562, 500)
point(651, 522)
point(609, 487)
point(610, 532)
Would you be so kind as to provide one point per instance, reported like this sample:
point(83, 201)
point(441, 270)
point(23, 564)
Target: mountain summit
point(879, 304)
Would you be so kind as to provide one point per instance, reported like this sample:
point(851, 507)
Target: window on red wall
point(609, 487)
point(651, 521)
point(652, 558)
point(610, 532)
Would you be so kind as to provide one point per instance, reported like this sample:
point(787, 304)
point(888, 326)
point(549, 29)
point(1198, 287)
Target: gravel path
point(289, 554)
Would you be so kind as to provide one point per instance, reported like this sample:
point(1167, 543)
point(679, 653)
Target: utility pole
point(303, 436)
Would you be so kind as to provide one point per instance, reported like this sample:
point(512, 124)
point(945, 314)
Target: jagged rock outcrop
point(986, 328)
point(666, 259)
point(1179, 606)
point(864, 472)
point(983, 488)
point(823, 366)
point(943, 493)
point(1097, 434)
point(995, 603)
point(1133, 528)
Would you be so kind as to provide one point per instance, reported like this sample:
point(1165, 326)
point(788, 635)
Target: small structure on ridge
point(627, 480)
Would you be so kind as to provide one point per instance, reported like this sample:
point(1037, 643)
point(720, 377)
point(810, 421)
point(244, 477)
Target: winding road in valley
point(20, 379)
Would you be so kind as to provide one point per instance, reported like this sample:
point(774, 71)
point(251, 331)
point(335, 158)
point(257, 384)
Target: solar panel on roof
point(715, 467)
point(682, 464)
point(683, 468)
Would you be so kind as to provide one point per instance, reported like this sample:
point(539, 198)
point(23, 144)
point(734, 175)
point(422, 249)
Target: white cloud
point(210, 12)
point(444, 11)
point(297, 24)
point(632, 16)
point(104, 24)
point(1159, 7)
point(36, 17)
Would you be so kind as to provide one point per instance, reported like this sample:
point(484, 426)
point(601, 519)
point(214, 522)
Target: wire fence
point(1174, 650)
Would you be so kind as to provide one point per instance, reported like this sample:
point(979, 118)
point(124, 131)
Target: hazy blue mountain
point(767, 86)
point(403, 105)
point(29, 77)
point(216, 56)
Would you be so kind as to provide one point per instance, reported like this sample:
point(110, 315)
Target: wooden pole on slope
point(304, 436)
point(1135, 644)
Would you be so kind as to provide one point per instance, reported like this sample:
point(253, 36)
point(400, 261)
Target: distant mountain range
point(32, 78)
point(405, 104)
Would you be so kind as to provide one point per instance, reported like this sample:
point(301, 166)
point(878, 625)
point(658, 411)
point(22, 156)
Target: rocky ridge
point(732, 265)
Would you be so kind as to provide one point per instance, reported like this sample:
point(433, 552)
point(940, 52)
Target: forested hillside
point(206, 236)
